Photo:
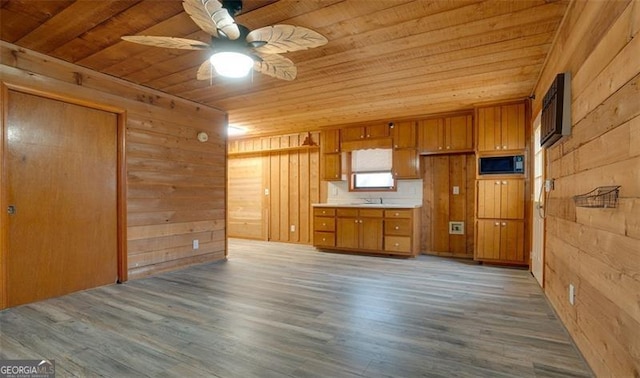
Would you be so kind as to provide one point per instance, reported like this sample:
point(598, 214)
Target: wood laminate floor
point(281, 310)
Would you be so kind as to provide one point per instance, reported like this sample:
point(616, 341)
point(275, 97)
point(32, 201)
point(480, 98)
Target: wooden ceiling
point(385, 60)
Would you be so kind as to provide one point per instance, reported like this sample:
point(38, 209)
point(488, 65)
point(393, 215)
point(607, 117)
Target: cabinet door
point(512, 127)
point(512, 241)
point(380, 130)
point(330, 141)
point(331, 167)
point(404, 134)
point(352, 133)
point(347, 235)
point(371, 233)
point(459, 133)
point(488, 240)
point(489, 197)
point(489, 129)
point(511, 199)
point(430, 135)
point(406, 164)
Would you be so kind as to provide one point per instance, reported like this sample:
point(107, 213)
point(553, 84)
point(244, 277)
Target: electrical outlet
point(196, 244)
point(293, 228)
point(572, 294)
point(456, 190)
point(266, 191)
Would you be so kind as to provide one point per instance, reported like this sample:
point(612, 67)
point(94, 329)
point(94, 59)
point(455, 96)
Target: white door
point(537, 242)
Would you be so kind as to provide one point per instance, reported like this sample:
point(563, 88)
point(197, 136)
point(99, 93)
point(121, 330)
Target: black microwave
point(501, 165)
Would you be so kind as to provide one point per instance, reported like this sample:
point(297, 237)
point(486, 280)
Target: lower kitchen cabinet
point(324, 227)
point(500, 240)
point(359, 229)
point(379, 230)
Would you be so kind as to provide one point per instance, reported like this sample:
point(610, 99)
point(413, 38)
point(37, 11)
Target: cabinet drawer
point(405, 213)
point(397, 227)
point(351, 213)
point(324, 224)
point(397, 244)
point(324, 239)
point(328, 211)
point(370, 213)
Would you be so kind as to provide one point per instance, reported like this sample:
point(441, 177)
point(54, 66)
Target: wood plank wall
point(245, 198)
point(291, 174)
point(440, 206)
point(175, 184)
point(597, 250)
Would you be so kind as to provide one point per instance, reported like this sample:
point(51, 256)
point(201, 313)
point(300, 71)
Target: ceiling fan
point(235, 49)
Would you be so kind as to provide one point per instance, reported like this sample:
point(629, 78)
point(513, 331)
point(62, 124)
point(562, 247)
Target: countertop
point(368, 205)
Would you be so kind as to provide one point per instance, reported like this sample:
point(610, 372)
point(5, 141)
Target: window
point(371, 170)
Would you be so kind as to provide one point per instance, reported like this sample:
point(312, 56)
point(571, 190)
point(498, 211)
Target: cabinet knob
point(497, 182)
point(324, 239)
point(448, 147)
point(396, 146)
point(396, 214)
point(356, 221)
point(361, 136)
point(504, 147)
point(324, 224)
point(439, 148)
point(497, 147)
point(497, 224)
point(396, 244)
point(397, 227)
point(368, 135)
point(360, 220)
point(504, 183)
point(324, 212)
point(504, 224)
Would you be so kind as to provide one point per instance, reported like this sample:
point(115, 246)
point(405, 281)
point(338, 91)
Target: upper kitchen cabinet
point(331, 169)
point(501, 127)
point(330, 141)
point(446, 134)
point(378, 130)
point(404, 134)
point(406, 164)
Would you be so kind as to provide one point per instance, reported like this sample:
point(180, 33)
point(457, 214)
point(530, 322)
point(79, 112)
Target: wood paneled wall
point(289, 171)
point(175, 184)
point(440, 206)
point(245, 199)
point(597, 250)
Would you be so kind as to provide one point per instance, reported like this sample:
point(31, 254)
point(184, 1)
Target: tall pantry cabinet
point(501, 215)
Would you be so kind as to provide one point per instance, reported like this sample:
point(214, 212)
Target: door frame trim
point(121, 177)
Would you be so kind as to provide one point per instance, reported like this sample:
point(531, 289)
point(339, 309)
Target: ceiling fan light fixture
point(231, 64)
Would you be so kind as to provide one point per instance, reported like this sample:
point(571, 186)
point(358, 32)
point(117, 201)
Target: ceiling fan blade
point(276, 66)
point(285, 38)
point(168, 42)
point(205, 71)
point(211, 17)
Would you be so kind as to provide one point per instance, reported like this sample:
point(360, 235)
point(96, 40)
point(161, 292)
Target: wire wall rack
point(600, 197)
